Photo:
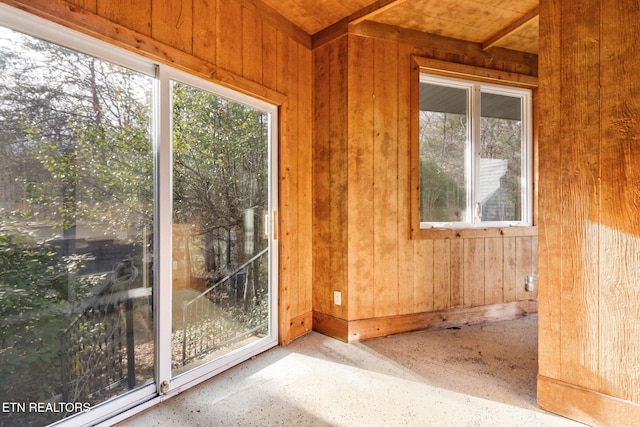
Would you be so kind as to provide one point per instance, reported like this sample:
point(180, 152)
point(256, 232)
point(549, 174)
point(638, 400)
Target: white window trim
point(472, 155)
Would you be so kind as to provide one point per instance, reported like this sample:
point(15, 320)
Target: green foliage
point(441, 200)
point(219, 157)
point(76, 137)
point(220, 169)
point(34, 283)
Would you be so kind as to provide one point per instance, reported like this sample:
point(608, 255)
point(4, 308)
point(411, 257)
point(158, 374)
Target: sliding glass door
point(76, 230)
point(221, 199)
point(136, 205)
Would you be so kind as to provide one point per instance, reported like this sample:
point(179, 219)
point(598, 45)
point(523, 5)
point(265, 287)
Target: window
point(474, 154)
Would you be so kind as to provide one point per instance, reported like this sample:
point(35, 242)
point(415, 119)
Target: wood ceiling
point(510, 24)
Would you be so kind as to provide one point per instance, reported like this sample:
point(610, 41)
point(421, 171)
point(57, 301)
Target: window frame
point(491, 81)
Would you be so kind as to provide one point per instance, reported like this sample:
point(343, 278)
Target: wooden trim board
point(364, 329)
point(331, 326)
point(298, 326)
point(586, 406)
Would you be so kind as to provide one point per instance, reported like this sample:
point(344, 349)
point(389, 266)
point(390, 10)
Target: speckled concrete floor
point(472, 376)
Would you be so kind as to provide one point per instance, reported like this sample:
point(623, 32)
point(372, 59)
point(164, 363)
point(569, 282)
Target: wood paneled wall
point(589, 224)
point(363, 245)
point(250, 50)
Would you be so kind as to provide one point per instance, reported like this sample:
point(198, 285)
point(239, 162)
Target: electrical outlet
point(337, 297)
point(530, 283)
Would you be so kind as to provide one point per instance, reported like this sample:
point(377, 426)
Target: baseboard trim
point(364, 329)
point(331, 326)
point(298, 326)
point(586, 406)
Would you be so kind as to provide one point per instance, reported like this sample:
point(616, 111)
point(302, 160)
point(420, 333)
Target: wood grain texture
point(423, 278)
point(132, 14)
point(385, 178)
point(205, 30)
point(360, 173)
point(304, 195)
point(550, 184)
point(90, 5)
point(619, 232)
point(586, 406)
point(172, 23)
point(442, 274)
point(579, 169)
point(589, 228)
point(360, 330)
point(406, 246)
point(449, 49)
point(494, 262)
point(329, 178)
point(474, 272)
point(365, 207)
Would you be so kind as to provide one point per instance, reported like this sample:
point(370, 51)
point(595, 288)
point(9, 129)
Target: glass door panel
point(76, 230)
point(220, 245)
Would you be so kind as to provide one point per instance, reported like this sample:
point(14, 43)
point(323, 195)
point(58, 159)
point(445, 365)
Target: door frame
point(168, 386)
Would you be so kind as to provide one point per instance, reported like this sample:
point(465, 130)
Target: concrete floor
point(472, 376)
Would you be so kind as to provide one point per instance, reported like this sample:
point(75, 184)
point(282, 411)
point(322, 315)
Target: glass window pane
point(220, 250)
point(443, 146)
point(500, 192)
point(76, 213)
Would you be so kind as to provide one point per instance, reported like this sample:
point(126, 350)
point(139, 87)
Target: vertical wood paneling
point(322, 233)
point(474, 272)
point(494, 268)
point(287, 213)
point(269, 55)
point(509, 269)
point(304, 197)
point(289, 173)
point(405, 244)
point(330, 179)
point(423, 279)
point(385, 178)
point(457, 273)
point(205, 19)
point(579, 171)
point(619, 232)
point(441, 274)
point(133, 14)
point(252, 46)
point(360, 175)
point(524, 265)
point(549, 154)
point(339, 215)
point(172, 23)
point(229, 40)
point(589, 237)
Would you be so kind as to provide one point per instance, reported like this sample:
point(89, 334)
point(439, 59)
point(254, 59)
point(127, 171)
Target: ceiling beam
point(511, 28)
point(372, 10)
point(342, 27)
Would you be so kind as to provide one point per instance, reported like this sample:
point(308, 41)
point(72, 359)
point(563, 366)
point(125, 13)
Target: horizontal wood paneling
point(229, 42)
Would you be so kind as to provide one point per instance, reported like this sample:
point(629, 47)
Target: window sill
point(473, 233)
